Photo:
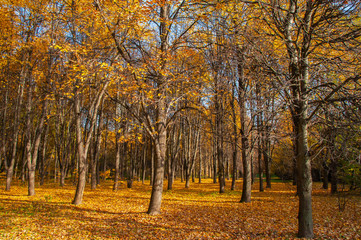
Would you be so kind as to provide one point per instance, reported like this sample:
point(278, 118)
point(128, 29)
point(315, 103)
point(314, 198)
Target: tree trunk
point(260, 171)
point(152, 166)
point(160, 144)
point(266, 158)
point(247, 171)
point(144, 157)
point(171, 171)
point(117, 164)
point(200, 164)
point(81, 177)
point(235, 140)
point(214, 167)
point(193, 175)
point(305, 223)
point(9, 166)
point(82, 143)
point(32, 149)
point(334, 177)
point(157, 188)
point(324, 175)
point(187, 178)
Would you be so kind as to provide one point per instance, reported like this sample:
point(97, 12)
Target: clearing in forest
point(199, 212)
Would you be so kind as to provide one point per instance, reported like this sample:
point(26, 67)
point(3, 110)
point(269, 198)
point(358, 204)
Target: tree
point(300, 28)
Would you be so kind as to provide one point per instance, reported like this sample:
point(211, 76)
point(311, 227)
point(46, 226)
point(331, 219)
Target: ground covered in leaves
point(199, 212)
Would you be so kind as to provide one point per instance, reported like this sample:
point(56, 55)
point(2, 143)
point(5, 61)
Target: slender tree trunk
point(117, 164)
point(260, 130)
point(260, 171)
point(152, 165)
point(96, 150)
point(33, 142)
point(9, 166)
point(266, 159)
point(171, 171)
point(214, 167)
point(43, 160)
point(143, 160)
point(3, 129)
point(200, 163)
point(235, 140)
point(247, 170)
point(193, 175)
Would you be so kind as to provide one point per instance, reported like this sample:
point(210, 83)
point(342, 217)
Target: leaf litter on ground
point(199, 212)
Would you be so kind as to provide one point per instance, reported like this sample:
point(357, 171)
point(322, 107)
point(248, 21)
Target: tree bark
point(247, 171)
point(160, 152)
point(82, 143)
point(160, 144)
point(32, 151)
point(9, 166)
point(266, 158)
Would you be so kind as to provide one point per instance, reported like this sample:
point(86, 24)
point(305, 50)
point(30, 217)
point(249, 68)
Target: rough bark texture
point(305, 223)
point(157, 188)
point(160, 144)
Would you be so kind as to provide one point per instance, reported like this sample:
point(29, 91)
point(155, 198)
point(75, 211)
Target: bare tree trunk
point(43, 164)
point(266, 158)
point(96, 150)
point(260, 131)
point(305, 222)
point(144, 157)
point(187, 177)
point(247, 171)
point(117, 164)
point(9, 166)
point(260, 171)
point(105, 151)
point(32, 151)
point(3, 129)
point(152, 165)
point(160, 145)
point(83, 144)
point(200, 163)
point(214, 166)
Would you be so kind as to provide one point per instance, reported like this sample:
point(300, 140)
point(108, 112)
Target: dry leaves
point(196, 213)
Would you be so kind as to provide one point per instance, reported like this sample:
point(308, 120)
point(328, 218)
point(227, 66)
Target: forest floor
point(199, 212)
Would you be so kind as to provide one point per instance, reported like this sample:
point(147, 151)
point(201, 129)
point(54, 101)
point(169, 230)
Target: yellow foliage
point(199, 212)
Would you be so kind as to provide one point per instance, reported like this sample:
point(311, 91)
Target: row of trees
point(155, 89)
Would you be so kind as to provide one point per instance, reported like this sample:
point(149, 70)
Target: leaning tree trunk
point(96, 151)
point(82, 143)
point(82, 168)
